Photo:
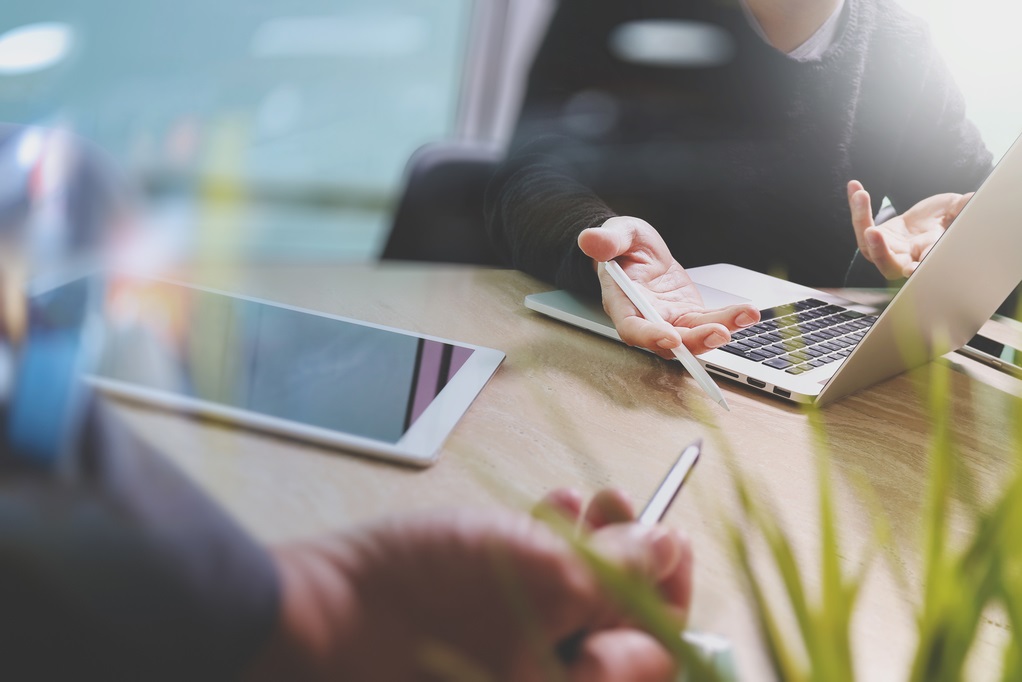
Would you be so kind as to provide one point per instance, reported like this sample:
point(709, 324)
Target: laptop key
point(795, 370)
point(734, 349)
point(777, 363)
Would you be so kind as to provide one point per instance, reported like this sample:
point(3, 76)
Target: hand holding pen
point(650, 313)
point(611, 510)
point(647, 261)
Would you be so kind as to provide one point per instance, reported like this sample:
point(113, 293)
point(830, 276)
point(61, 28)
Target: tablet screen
point(290, 364)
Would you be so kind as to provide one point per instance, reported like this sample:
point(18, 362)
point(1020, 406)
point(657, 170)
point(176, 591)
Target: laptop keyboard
point(801, 336)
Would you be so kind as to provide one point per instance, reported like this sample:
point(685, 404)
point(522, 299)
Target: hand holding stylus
point(682, 353)
point(645, 258)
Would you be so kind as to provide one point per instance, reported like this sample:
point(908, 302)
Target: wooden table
point(569, 408)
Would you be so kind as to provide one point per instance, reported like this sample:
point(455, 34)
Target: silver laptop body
point(967, 274)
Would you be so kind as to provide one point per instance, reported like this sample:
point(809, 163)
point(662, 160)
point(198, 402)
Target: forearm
point(535, 210)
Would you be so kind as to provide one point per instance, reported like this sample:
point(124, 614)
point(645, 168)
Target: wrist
point(317, 618)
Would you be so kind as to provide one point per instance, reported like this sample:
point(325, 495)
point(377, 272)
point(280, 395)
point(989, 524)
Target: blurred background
point(281, 128)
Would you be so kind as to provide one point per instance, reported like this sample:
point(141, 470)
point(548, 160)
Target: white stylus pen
point(669, 487)
point(716, 651)
point(684, 356)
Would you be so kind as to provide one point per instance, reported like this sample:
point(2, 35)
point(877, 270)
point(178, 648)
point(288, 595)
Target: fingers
point(703, 331)
point(622, 655)
point(640, 248)
point(922, 244)
point(564, 501)
point(626, 236)
point(871, 240)
point(862, 216)
point(711, 329)
point(636, 330)
point(570, 596)
point(661, 554)
point(609, 506)
point(853, 187)
point(733, 317)
point(705, 337)
point(883, 256)
point(677, 585)
point(653, 552)
point(956, 207)
point(660, 338)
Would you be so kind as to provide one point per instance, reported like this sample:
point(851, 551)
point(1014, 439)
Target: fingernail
point(716, 340)
point(666, 552)
point(745, 319)
point(667, 343)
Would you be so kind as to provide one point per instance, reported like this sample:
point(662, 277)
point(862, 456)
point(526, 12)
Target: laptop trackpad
point(715, 298)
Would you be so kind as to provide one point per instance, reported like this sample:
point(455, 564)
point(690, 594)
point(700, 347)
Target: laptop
point(813, 347)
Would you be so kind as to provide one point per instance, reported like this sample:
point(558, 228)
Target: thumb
point(622, 655)
point(619, 236)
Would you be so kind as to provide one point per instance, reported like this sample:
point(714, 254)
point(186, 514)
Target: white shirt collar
point(817, 44)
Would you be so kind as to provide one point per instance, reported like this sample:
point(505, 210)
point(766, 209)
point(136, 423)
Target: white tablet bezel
point(420, 444)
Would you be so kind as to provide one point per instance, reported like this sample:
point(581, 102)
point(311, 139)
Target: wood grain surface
point(569, 408)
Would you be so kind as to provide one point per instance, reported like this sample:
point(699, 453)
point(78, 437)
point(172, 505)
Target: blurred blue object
point(58, 204)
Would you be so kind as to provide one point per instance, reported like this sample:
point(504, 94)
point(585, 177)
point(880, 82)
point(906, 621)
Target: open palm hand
point(642, 254)
point(898, 245)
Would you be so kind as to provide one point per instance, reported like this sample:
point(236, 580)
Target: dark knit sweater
point(744, 163)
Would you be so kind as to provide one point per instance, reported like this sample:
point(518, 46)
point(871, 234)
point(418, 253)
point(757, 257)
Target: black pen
point(668, 490)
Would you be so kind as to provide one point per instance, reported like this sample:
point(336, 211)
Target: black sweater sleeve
point(535, 210)
point(124, 570)
point(942, 150)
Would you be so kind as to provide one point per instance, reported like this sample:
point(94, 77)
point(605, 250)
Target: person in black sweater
point(760, 158)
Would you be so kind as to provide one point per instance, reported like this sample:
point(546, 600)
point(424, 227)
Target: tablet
point(331, 380)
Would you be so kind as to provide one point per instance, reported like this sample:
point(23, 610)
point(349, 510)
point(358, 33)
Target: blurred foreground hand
point(475, 595)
